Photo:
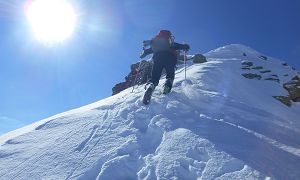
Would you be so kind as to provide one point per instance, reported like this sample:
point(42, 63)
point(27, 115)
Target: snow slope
point(214, 125)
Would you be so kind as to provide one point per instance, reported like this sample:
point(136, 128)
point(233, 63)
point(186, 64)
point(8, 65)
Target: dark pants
point(167, 61)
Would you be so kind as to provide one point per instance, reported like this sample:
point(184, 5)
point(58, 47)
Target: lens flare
point(51, 20)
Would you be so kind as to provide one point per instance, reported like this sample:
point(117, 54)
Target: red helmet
point(164, 34)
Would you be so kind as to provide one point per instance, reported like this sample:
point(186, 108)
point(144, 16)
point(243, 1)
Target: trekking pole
point(136, 75)
point(139, 68)
point(184, 58)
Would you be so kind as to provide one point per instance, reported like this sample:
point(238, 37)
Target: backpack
point(162, 42)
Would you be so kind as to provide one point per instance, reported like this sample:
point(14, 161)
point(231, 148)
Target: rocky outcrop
point(283, 99)
point(246, 68)
point(274, 75)
point(272, 79)
point(265, 58)
point(258, 72)
point(257, 67)
point(247, 63)
point(199, 58)
point(252, 76)
point(293, 88)
point(265, 71)
point(141, 75)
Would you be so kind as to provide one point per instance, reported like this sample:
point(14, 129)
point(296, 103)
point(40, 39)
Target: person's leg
point(156, 72)
point(170, 74)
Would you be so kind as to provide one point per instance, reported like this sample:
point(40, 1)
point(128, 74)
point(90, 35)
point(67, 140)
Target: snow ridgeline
point(215, 125)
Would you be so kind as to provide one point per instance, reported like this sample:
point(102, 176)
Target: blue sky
point(38, 81)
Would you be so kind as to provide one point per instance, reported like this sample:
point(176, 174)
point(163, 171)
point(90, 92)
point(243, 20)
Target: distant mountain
point(234, 117)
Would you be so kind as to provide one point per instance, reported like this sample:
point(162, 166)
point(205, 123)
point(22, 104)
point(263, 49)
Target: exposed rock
point(296, 100)
point(294, 93)
point(180, 58)
point(119, 87)
point(284, 64)
point(244, 54)
point(252, 76)
point(265, 71)
point(293, 82)
point(247, 63)
point(246, 68)
point(142, 75)
point(263, 57)
point(272, 79)
point(284, 100)
point(293, 88)
point(257, 67)
point(274, 75)
point(199, 58)
point(286, 75)
point(296, 78)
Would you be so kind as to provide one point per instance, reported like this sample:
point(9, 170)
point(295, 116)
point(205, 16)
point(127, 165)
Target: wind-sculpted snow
point(214, 125)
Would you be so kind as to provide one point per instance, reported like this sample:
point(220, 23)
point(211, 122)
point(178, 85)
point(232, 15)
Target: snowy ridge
point(214, 125)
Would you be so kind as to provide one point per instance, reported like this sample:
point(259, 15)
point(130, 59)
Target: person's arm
point(177, 46)
point(146, 52)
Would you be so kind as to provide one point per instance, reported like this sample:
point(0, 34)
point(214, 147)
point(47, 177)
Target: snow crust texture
point(215, 125)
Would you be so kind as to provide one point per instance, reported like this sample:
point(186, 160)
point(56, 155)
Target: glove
point(142, 55)
point(147, 43)
point(186, 47)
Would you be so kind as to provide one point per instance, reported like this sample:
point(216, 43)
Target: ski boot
point(166, 89)
point(148, 93)
point(168, 86)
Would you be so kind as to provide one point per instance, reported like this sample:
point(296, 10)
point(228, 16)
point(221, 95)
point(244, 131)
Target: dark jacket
point(170, 54)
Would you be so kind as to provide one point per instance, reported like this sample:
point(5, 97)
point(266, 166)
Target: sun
point(51, 21)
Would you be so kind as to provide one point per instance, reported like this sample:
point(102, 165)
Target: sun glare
point(51, 21)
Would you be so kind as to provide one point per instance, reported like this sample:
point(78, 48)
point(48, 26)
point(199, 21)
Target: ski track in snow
point(209, 127)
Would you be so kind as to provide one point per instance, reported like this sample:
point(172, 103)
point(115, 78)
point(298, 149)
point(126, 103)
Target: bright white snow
point(214, 125)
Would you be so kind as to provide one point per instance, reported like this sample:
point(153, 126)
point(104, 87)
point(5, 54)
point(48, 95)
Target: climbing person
point(164, 52)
